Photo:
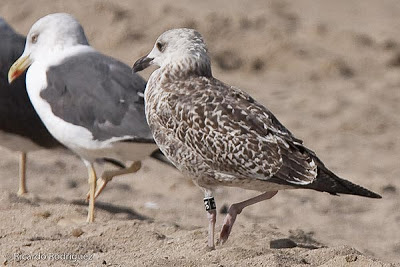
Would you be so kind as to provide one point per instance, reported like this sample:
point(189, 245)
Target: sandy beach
point(330, 72)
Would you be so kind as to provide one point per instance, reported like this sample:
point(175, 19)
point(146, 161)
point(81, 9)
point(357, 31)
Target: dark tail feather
point(327, 181)
point(158, 155)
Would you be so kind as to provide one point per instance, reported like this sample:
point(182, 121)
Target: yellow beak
point(18, 68)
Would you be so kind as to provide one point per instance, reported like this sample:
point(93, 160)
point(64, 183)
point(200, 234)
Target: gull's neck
point(56, 56)
point(187, 66)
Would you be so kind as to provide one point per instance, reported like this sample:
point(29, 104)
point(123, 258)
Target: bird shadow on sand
point(35, 201)
point(114, 209)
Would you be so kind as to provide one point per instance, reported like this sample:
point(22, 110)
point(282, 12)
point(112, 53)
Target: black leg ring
point(209, 203)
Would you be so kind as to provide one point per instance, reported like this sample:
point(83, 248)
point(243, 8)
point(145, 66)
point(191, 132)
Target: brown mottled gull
point(219, 135)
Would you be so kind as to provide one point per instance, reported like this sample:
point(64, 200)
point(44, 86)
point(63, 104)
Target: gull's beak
point(142, 63)
point(18, 68)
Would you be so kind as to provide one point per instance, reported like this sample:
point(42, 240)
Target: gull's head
point(183, 48)
point(52, 33)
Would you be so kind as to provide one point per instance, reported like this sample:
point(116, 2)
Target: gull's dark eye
point(160, 46)
point(34, 38)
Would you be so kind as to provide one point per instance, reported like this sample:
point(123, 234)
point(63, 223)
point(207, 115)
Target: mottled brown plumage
point(220, 135)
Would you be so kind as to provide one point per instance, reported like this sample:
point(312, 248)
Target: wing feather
point(99, 93)
point(233, 134)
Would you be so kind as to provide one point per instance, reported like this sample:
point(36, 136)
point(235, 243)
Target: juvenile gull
point(219, 135)
point(89, 102)
point(20, 127)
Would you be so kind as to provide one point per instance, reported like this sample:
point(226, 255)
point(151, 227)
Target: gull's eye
point(34, 38)
point(160, 46)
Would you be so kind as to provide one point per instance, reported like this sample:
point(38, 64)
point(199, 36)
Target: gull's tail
point(327, 181)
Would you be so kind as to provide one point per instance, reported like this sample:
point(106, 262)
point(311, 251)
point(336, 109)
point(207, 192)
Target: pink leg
point(236, 209)
point(212, 217)
point(209, 204)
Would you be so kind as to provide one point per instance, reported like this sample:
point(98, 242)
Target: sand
point(329, 70)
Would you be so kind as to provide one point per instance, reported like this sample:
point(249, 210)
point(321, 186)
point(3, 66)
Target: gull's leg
point(211, 209)
point(92, 186)
point(108, 175)
point(22, 174)
point(236, 209)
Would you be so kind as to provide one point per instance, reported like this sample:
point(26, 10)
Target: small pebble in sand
point(151, 205)
point(77, 232)
point(159, 236)
point(351, 258)
point(282, 243)
point(44, 214)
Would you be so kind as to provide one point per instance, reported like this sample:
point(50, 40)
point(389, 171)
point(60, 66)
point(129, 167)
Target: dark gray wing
point(235, 135)
point(17, 115)
point(5, 28)
point(100, 94)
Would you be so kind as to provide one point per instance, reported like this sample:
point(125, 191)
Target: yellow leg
point(22, 174)
point(108, 175)
point(92, 185)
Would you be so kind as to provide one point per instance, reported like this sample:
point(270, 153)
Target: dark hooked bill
point(141, 64)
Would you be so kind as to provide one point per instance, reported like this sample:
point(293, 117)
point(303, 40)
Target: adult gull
point(20, 127)
point(219, 135)
point(89, 102)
